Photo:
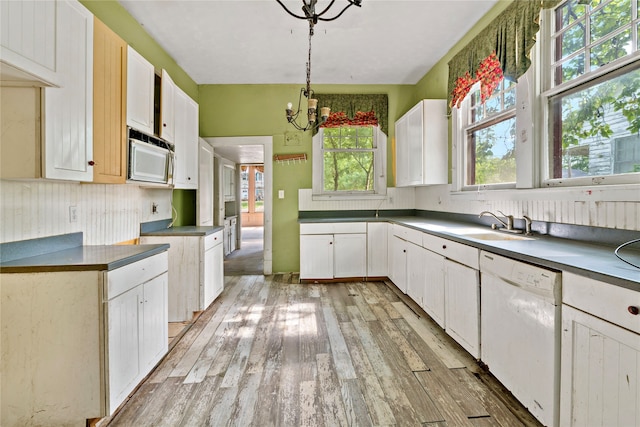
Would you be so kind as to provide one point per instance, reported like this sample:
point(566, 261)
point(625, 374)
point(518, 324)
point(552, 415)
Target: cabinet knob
point(164, 125)
point(633, 310)
point(404, 250)
point(189, 178)
point(91, 163)
point(444, 246)
point(331, 243)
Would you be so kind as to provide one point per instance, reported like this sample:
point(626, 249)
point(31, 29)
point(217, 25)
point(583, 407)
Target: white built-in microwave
point(150, 159)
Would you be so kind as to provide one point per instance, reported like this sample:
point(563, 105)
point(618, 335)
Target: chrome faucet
point(527, 225)
point(508, 225)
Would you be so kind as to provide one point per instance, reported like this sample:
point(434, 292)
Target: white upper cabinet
point(140, 84)
point(186, 141)
point(168, 108)
point(422, 144)
point(68, 118)
point(28, 43)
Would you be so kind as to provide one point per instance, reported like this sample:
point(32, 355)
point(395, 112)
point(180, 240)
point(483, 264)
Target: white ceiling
point(257, 42)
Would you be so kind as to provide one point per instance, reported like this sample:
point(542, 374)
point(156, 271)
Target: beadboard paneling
point(611, 207)
point(397, 198)
point(106, 213)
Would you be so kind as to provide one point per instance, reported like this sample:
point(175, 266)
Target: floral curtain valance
point(508, 39)
point(356, 109)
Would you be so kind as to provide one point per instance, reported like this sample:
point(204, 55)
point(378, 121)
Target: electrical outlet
point(73, 214)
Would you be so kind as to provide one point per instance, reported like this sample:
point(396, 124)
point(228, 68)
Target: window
point(349, 160)
point(489, 131)
point(594, 94)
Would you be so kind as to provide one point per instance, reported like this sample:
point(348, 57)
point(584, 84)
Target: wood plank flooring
point(273, 352)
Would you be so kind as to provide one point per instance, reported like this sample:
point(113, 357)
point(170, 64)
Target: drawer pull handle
point(633, 310)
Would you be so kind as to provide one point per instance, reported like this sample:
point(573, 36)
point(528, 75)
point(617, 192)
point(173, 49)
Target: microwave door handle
point(170, 171)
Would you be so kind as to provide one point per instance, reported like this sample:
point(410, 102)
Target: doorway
point(250, 151)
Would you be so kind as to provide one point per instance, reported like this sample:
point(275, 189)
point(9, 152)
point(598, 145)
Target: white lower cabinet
point(600, 354)
point(398, 262)
point(377, 249)
point(76, 343)
point(434, 291)
point(196, 272)
point(333, 250)
point(462, 305)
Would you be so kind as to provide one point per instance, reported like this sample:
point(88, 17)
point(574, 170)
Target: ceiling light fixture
point(310, 15)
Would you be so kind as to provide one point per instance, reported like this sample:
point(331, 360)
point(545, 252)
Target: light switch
point(280, 194)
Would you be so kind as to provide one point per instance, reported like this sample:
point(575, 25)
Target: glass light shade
point(313, 103)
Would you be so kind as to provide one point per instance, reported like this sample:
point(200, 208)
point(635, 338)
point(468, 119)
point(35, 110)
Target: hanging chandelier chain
point(308, 92)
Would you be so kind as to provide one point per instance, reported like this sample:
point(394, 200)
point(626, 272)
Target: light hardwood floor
point(273, 352)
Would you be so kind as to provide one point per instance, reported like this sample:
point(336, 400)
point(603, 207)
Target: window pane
point(589, 123)
point(348, 171)
point(571, 41)
point(569, 13)
point(493, 149)
point(570, 70)
point(611, 17)
point(510, 98)
point(611, 49)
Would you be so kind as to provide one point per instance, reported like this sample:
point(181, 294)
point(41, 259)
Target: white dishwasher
point(520, 307)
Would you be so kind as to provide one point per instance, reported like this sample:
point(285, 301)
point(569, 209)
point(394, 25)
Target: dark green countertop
point(586, 258)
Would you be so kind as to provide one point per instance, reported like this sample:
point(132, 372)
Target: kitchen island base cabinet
point(76, 343)
point(196, 272)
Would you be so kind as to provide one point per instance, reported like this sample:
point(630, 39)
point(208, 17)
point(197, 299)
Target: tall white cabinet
point(422, 144)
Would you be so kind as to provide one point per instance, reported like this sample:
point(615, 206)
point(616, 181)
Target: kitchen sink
point(488, 235)
point(481, 234)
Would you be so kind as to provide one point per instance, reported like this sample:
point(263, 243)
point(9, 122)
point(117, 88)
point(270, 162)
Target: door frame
point(267, 143)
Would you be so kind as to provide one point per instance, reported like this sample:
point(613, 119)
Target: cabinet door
point(123, 334)
point(377, 249)
point(208, 278)
point(205, 192)
point(435, 141)
point(462, 305)
point(218, 271)
point(233, 234)
point(155, 324)
point(229, 183)
point(414, 145)
point(316, 256)
point(68, 135)
point(140, 89)
point(350, 255)
point(109, 106)
point(28, 40)
point(186, 139)
point(398, 270)
point(416, 273)
point(434, 287)
point(402, 152)
point(168, 107)
point(600, 372)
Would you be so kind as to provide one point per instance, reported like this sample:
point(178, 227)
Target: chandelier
point(310, 15)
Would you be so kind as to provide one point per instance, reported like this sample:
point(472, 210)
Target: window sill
point(612, 193)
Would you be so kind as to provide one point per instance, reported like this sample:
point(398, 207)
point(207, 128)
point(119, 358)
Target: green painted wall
point(122, 23)
point(258, 110)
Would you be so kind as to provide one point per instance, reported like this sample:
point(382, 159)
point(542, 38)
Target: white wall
point(106, 213)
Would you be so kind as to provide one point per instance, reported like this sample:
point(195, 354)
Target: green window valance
point(511, 36)
point(351, 104)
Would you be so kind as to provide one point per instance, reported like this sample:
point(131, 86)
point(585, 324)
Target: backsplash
point(105, 213)
point(397, 198)
point(612, 207)
point(596, 207)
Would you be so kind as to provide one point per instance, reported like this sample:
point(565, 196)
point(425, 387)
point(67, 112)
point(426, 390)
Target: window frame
point(549, 90)
point(379, 169)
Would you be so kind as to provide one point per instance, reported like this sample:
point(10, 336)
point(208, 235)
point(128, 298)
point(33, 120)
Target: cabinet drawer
point(408, 234)
point(334, 228)
point(212, 240)
point(455, 251)
point(609, 302)
point(124, 278)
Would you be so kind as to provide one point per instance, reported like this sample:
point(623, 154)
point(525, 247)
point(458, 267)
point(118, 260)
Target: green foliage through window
point(348, 159)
